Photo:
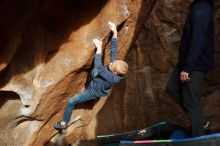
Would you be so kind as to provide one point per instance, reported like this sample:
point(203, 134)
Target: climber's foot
point(60, 125)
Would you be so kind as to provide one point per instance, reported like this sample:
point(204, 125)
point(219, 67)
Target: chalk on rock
point(125, 11)
point(77, 118)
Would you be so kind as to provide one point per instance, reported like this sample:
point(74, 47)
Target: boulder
point(47, 54)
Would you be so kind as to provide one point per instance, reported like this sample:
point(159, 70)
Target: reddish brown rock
point(46, 55)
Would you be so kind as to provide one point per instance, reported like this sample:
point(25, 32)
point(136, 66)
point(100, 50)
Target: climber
point(196, 58)
point(102, 78)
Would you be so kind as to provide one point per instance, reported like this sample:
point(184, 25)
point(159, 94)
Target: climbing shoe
point(61, 125)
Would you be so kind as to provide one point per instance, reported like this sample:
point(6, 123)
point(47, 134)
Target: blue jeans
point(78, 98)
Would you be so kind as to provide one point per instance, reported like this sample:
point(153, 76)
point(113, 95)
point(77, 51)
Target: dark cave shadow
point(7, 95)
point(53, 22)
point(2, 1)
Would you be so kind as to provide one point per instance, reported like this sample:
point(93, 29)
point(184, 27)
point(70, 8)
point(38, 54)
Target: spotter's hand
point(184, 76)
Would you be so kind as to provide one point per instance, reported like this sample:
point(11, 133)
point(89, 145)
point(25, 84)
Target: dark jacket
point(196, 52)
point(102, 78)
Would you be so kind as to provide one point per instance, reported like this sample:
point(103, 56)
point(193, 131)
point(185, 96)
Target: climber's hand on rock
point(113, 28)
point(98, 45)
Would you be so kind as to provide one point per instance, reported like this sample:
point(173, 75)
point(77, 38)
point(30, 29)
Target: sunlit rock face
point(45, 58)
point(47, 54)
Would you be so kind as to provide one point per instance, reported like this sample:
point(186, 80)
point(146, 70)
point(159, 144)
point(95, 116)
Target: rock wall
point(141, 101)
point(46, 56)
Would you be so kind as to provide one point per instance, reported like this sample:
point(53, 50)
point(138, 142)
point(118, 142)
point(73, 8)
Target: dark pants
point(187, 95)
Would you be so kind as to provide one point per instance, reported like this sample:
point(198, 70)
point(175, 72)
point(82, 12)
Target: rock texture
point(46, 56)
point(143, 100)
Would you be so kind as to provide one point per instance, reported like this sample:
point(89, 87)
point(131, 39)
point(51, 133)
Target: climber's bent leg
point(79, 98)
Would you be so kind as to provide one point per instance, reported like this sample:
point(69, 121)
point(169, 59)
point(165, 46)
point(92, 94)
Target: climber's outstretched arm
point(98, 60)
point(114, 43)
